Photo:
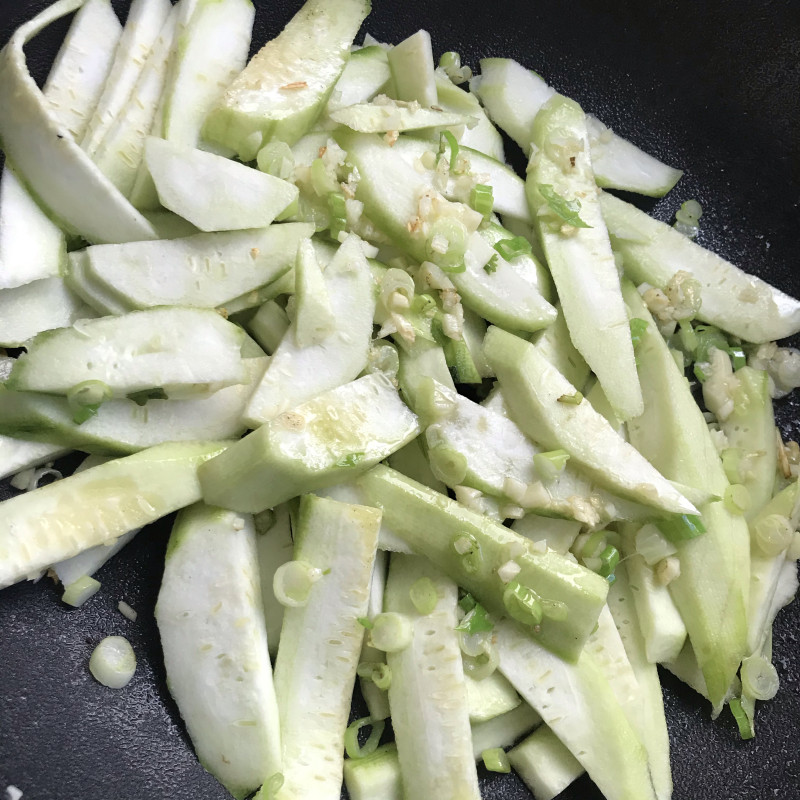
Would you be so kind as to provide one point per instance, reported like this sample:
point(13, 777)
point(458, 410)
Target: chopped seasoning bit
point(295, 85)
point(323, 150)
point(223, 312)
point(390, 137)
point(127, 611)
point(254, 253)
point(571, 399)
point(572, 161)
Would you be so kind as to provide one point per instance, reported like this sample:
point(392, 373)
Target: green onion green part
point(567, 210)
point(682, 527)
point(447, 140)
point(475, 621)
point(496, 760)
point(481, 198)
point(509, 249)
point(745, 726)
point(466, 545)
point(571, 399)
point(551, 464)
point(523, 604)
point(391, 632)
point(85, 399)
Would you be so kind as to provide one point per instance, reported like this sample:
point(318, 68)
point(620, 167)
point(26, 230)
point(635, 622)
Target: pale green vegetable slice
point(577, 702)
point(739, 303)
point(544, 764)
point(711, 590)
point(80, 69)
point(327, 440)
point(434, 741)
point(411, 63)
point(146, 19)
point(339, 541)
point(545, 404)
point(283, 89)
point(17, 455)
point(196, 82)
point(563, 198)
point(213, 192)
point(389, 116)
point(120, 152)
point(60, 520)
point(184, 351)
point(123, 426)
point(298, 373)
point(48, 160)
point(205, 270)
point(32, 247)
point(35, 307)
point(365, 75)
point(211, 623)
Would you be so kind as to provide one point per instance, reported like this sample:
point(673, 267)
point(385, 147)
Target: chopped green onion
point(377, 672)
point(773, 534)
point(481, 666)
point(475, 621)
point(510, 249)
point(738, 357)
point(609, 559)
point(638, 329)
point(496, 760)
point(277, 159)
point(491, 265)
point(592, 545)
point(652, 545)
point(143, 397)
point(450, 60)
point(365, 622)
point(113, 662)
point(568, 210)
point(571, 399)
point(292, 583)
point(448, 464)
point(467, 603)
point(737, 498)
point(85, 399)
point(742, 720)
point(423, 595)
point(523, 604)
point(466, 545)
point(681, 528)
point(759, 678)
point(351, 745)
point(551, 464)
point(80, 590)
point(708, 338)
point(447, 244)
point(350, 460)
point(447, 140)
point(391, 632)
point(687, 337)
point(481, 198)
point(337, 205)
point(271, 787)
point(321, 180)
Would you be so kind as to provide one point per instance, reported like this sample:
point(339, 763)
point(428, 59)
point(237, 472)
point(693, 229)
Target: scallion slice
point(551, 464)
point(391, 632)
point(523, 604)
point(496, 760)
point(759, 678)
point(292, 583)
point(80, 590)
point(682, 527)
point(447, 140)
point(481, 198)
point(85, 399)
point(510, 249)
point(113, 662)
point(744, 724)
point(351, 744)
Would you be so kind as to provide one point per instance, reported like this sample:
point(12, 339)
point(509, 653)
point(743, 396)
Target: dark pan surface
point(713, 88)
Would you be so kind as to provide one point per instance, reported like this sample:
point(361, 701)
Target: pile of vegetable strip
point(428, 425)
